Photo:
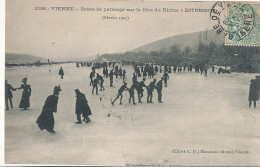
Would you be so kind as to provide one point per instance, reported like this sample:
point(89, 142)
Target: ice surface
point(198, 113)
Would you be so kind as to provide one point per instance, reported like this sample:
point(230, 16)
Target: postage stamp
point(243, 24)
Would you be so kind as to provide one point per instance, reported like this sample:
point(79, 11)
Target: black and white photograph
point(132, 83)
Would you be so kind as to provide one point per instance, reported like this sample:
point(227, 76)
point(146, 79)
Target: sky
point(64, 34)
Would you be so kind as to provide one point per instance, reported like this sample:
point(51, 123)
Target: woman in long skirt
point(25, 100)
point(46, 119)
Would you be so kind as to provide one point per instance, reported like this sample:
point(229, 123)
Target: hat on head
point(76, 90)
point(24, 80)
point(57, 88)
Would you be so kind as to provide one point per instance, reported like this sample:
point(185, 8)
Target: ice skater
point(158, 87)
point(61, 73)
point(165, 78)
point(91, 76)
point(8, 95)
point(253, 93)
point(95, 86)
point(120, 91)
point(111, 78)
point(150, 90)
point(101, 82)
point(25, 100)
point(140, 90)
point(132, 93)
point(46, 118)
point(82, 107)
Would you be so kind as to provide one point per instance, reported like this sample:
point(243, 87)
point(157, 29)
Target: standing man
point(111, 78)
point(8, 95)
point(253, 93)
point(132, 93)
point(150, 90)
point(46, 119)
point(91, 75)
point(95, 86)
point(120, 91)
point(165, 78)
point(134, 79)
point(159, 90)
point(124, 74)
point(140, 90)
point(61, 72)
point(82, 107)
point(101, 82)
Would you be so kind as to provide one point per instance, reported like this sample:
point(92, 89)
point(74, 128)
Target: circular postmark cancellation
point(217, 14)
point(237, 21)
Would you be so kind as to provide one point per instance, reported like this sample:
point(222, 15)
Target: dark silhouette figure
point(95, 86)
point(8, 95)
point(150, 90)
point(253, 93)
point(120, 91)
point(61, 72)
point(111, 78)
point(25, 100)
point(132, 93)
point(140, 90)
point(165, 79)
point(46, 119)
point(159, 90)
point(82, 107)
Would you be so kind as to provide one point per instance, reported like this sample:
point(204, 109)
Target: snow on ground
point(198, 113)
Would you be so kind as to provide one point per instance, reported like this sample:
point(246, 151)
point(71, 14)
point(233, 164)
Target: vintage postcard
point(132, 83)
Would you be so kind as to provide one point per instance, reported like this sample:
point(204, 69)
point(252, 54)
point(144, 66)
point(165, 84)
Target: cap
point(24, 80)
point(57, 88)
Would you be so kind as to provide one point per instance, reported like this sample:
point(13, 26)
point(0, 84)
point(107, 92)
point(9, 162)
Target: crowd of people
point(143, 71)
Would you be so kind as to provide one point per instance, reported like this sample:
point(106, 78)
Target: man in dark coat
point(159, 90)
point(46, 119)
point(165, 78)
point(8, 95)
point(61, 72)
point(132, 93)
point(134, 79)
point(140, 90)
point(91, 75)
point(150, 90)
point(111, 78)
point(120, 91)
point(82, 107)
point(124, 72)
point(95, 86)
point(253, 93)
point(101, 82)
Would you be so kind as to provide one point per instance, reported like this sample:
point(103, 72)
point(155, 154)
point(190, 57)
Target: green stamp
point(243, 24)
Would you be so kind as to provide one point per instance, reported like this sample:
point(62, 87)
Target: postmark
point(243, 24)
point(218, 17)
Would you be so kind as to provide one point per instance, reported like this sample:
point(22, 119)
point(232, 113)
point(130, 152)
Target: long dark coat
point(253, 92)
point(82, 106)
point(25, 100)
point(46, 119)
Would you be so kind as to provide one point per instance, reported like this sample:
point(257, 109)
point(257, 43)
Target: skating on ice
point(25, 100)
point(82, 107)
point(61, 73)
point(46, 119)
point(140, 90)
point(120, 91)
point(8, 95)
point(150, 89)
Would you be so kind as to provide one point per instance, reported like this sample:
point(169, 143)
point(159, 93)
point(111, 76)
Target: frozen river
point(199, 113)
